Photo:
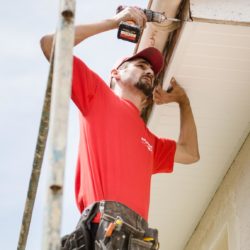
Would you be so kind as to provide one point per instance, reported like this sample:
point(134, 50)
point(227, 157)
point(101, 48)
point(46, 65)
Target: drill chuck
point(152, 16)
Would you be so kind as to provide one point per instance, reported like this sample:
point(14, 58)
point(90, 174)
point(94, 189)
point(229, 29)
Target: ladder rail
point(37, 161)
point(61, 93)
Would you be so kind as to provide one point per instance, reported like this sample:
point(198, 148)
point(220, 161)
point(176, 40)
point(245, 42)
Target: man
point(117, 152)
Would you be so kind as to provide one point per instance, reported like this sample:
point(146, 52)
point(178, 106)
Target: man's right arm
point(187, 149)
point(87, 30)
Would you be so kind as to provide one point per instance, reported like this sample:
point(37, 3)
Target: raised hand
point(134, 14)
point(176, 94)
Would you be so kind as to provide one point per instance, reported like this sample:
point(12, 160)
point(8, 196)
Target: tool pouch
point(138, 244)
point(125, 238)
point(81, 239)
point(78, 240)
point(149, 241)
point(115, 241)
point(119, 228)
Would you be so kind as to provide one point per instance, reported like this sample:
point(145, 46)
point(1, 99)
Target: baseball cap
point(150, 54)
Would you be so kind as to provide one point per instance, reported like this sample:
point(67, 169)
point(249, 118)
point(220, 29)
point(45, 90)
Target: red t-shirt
point(117, 152)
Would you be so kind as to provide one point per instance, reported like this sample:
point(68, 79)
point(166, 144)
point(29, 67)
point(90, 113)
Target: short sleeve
point(84, 85)
point(164, 155)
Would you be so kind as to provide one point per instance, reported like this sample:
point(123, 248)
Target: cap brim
point(150, 54)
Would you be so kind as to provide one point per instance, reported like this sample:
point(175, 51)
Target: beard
point(146, 89)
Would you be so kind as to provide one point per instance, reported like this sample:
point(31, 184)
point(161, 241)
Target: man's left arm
point(187, 150)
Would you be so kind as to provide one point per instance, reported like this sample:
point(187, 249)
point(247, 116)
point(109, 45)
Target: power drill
point(131, 32)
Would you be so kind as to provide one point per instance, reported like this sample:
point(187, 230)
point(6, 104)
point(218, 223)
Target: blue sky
point(23, 77)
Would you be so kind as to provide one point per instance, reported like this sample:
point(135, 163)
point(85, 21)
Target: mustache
point(149, 76)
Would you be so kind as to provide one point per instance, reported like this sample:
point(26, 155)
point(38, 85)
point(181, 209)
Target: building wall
point(226, 222)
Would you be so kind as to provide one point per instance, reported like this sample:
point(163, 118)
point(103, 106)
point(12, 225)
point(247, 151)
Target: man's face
point(139, 73)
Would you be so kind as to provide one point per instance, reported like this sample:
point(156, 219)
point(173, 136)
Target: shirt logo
point(147, 144)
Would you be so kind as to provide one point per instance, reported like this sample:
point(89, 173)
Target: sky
point(23, 78)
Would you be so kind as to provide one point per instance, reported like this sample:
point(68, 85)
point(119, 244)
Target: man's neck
point(133, 96)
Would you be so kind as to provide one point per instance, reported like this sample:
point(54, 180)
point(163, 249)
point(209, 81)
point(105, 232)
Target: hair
point(122, 66)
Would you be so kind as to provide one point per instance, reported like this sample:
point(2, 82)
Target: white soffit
point(222, 10)
point(212, 62)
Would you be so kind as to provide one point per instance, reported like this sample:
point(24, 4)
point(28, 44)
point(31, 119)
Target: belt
point(113, 209)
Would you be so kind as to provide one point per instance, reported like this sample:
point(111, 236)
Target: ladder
point(56, 106)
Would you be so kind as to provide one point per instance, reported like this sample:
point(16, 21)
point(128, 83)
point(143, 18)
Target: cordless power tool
point(131, 32)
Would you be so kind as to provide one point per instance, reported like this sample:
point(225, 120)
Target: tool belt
point(119, 228)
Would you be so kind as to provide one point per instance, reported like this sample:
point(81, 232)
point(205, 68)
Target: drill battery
point(129, 31)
